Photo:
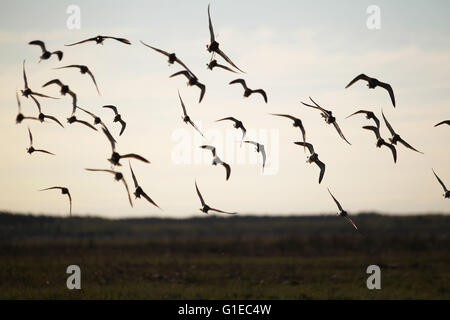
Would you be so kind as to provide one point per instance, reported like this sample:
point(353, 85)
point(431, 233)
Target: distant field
point(225, 258)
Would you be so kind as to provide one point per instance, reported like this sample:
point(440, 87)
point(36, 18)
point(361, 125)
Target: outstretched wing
point(111, 140)
point(19, 104)
point(182, 104)
point(183, 72)
point(223, 55)
point(128, 191)
point(374, 129)
point(225, 67)
point(93, 79)
point(335, 200)
point(440, 181)
point(149, 199)
point(362, 76)
point(135, 156)
point(86, 124)
point(54, 119)
point(199, 195)
point(241, 81)
point(388, 87)
point(123, 124)
point(44, 151)
point(156, 49)
point(211, 30)
point(211, 148)
point(51, 188)
point(351, 221)
point(202, 91)
point(37, 103)
point(306, 144)
point(54, 81)
point(70, 203)
point(30, 136)
point(228, 118)
point(443, 122)
point(263, 153)
point(38, 43)
point(321, 165)
point(195, 127)
point(388, 125)
point(394, 151)
point(133, 176)
point(82, 41)
point(406, 144)
point(262, 92)
point(113, 108)
point(335, 124)
point(227, 168)
point(123, 40)
point(220, 211)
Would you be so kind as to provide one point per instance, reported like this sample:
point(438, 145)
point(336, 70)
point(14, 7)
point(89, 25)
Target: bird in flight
point(297, 123)
point(64, 190)
point(342, 212)
point(117, 118)
point(118, 176)
point(328, 117)
point(260, 149)
point(213, 46)
point(443, 122)
point(20, 117)
point(83, 70)
point(313, 158)
point(98, 120)
point(396, 138)
point(217, 160)
point(115, 156)
point(213, 64)
point(64, 90)
point(247, 91)
point(99, 40)
point(192, 81)
point(205, 208)
point(139, 192)
point(381, 142)
point(369, 115)
point(43, 116)
point(372, 83)
point(45, 53)
point(31, 149)
point(172, 57)
point(237, 124)
point(26, 92)
point(446, 192)
point(185, 116)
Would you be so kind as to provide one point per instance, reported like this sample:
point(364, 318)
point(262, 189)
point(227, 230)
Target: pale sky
point(291, 49)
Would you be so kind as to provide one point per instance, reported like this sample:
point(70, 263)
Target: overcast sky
point(291, 49)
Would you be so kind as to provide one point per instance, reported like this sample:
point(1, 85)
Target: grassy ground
point(237, 258)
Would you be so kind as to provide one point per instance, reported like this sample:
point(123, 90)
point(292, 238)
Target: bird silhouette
point(247, 91)
point(372, 83)
point(217, 160)
point(313, 158)
point(83, 70)
point(192, 81)
point(64, 90)
point(172, 57)
point(259, 149)
point(381, 142)
point(26, 92)
point(118, 176)
point(214, 64)
point(297, 123)
point(139, 192)
point(446, 191)
point(213, 46)
point(45, 53)
point(342, 212)
point(64, 190)
point(396, 138)
point(237, 124)
point(369, 115)
point(117, 118)
point(205, 208)
point(31, 149)
point(99, 40)
point(20, 117)
point(186, 118)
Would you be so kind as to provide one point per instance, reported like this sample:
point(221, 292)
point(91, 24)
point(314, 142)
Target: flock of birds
point(213, 48)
